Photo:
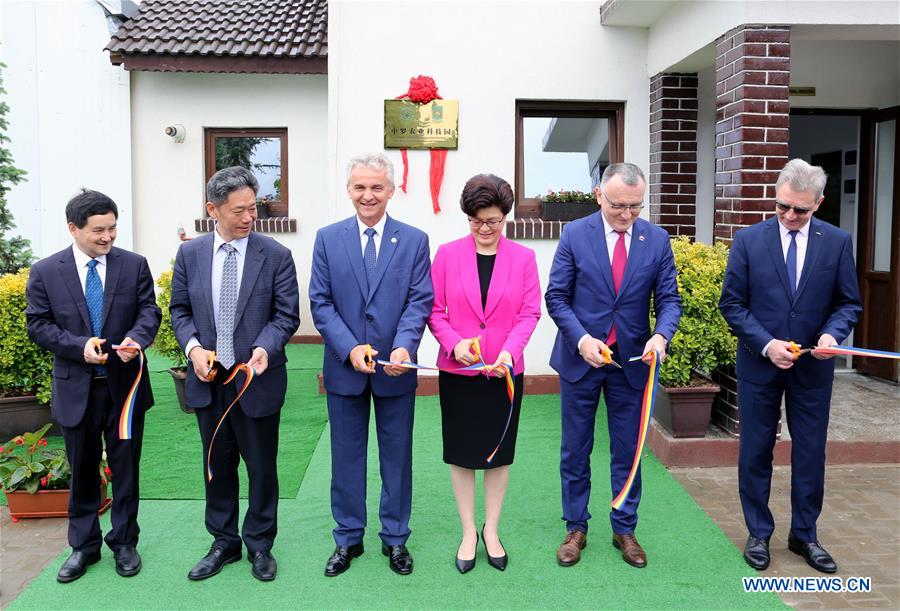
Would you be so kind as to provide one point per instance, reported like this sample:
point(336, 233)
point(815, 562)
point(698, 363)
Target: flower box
point(46, 503)
point(567, 211)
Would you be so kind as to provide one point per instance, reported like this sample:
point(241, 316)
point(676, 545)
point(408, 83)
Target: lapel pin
point(818, 233)
point(641, 238)
point(393, 240)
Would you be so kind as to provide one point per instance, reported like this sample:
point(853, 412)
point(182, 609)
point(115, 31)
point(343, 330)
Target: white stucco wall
point(486, 55)
point(846, 73)
point(169, 177)
point(69, 116)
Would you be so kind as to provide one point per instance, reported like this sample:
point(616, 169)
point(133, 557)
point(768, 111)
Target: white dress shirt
point(81, 264)
point(802, 241)
point(363, 238)
point(612, 236)
point(218, 262)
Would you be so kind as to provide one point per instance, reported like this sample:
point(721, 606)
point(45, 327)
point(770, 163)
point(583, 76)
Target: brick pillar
point(752, 119)
point(673, 153)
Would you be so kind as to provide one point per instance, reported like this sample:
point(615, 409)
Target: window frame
point(209, 153)
point(614, 112)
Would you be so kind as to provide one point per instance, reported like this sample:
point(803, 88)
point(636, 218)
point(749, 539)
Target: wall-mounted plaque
point(408, 125)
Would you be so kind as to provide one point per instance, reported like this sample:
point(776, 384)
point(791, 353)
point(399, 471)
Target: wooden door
point(878, 258)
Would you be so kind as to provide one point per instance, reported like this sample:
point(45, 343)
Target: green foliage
point(703, 340)
point(15, 253)
point(569, 196)
point(25, 464)
point(165, 342)
point(24, 366)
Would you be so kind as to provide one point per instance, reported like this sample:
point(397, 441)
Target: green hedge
point(24, 366)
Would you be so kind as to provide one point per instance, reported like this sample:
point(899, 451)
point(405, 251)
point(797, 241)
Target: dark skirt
point(474, 410)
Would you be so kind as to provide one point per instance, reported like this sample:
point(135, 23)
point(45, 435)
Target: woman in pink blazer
point(485, 288)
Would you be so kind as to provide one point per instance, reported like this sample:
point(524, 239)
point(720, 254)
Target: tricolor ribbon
point(250, 373)
point(851, 351)
point(482, 366)
point(127, 414)
point(647, 404)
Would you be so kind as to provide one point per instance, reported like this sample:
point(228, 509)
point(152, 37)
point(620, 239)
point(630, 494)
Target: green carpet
point(691, 563)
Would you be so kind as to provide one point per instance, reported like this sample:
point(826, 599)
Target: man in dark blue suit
point(81, 301)
point(235, 298)
point(370, 285)
point(790, 278)
point(606, 269)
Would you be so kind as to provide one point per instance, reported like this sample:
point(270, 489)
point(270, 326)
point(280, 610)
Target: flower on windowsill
point(569, 196)
point(26, 465)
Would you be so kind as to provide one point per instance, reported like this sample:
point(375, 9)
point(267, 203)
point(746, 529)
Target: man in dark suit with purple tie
point(607, 268)
point(80, 302)
point(790, 278)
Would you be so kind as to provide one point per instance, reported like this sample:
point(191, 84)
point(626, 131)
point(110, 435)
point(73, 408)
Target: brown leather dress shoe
point(569, 552)
point(632, 552)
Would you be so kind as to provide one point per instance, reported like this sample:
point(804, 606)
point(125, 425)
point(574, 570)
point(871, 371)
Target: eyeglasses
point(632, 208)
point(797, 210)
point(478, 223)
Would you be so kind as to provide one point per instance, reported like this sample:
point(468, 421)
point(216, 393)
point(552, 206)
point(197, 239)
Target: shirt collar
point(240, 245)
point(785, 232)
point(378, 227)
point(81, 259)
point(607, 228)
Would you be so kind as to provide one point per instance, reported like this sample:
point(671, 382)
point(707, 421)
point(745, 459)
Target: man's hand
point(201, 359)
point(462, 351)
point(826, 341)
point(781, 354)
point(399, 355)
point(259, 360)
point(93, 351)
point(125, 354)
point(358, 359)
point(657, 343)
point(504, 358)
point(592, 351)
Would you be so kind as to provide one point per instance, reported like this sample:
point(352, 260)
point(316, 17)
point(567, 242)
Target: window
point(562, 148)
point(261, 150)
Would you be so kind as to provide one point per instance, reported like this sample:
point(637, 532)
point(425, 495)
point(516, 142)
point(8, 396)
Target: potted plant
point(165, 342)
point(702, 343)
point(567, 205)
point(25, 367)
point(36, 478)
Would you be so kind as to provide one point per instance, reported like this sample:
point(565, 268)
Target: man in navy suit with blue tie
point(235, 299)
point(790, 278)
point(80, 302)
point(606, 269)
point(370, 286)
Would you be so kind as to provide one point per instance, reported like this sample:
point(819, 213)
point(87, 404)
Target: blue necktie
point(369, 255)
point(93, 294)
point(791, 262)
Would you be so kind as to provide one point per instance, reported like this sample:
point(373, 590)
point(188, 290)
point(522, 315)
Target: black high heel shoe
point(464, 566)
point(498, 562)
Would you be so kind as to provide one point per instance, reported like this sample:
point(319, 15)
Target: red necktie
point(620, 257)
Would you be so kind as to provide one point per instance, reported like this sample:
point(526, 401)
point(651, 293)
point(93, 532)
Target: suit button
point(482, 325)
point(793, 315)
point(369, 317)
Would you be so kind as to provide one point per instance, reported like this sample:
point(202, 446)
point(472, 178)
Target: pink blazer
point(513, 301)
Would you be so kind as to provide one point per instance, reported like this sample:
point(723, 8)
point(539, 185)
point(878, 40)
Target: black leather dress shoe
point(76, 565)
point(341, 558)
point(128, 561)
point(399, 558)
point(756, 553)
point(498, 562)
point(213, 562)
point(815, 554)
point(464, 566)
point(264, 565)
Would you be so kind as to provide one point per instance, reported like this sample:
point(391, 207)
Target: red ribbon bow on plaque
point(422, 90)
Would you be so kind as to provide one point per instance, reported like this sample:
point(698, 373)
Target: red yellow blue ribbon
point(127, 414)
point(647, 404)
point(851, 351)
point(250, 373)
point(482, 366)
